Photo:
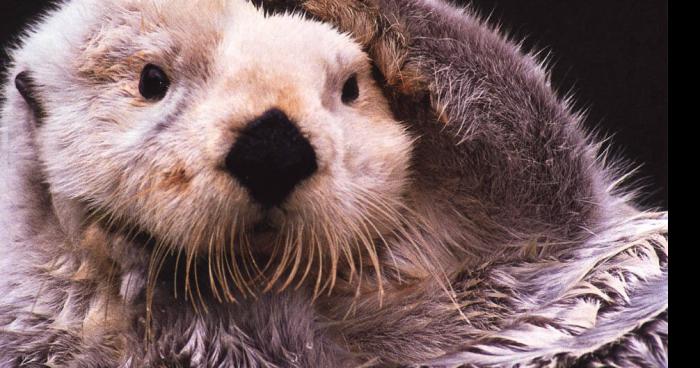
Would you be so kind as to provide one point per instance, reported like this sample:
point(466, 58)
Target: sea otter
point(222, 184)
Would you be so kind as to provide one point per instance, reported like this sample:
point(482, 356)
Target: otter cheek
point(327, 138)
point(369, 155)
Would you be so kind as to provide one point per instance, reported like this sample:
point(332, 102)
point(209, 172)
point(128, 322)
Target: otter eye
point(350, 90)
point(154, 83)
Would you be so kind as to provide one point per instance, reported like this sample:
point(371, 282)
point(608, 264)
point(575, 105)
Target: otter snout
point(271, 157)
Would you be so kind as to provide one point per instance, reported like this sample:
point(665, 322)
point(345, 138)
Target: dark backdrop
point(612, 55)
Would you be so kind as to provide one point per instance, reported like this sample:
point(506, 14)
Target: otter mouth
point(264, 234)
point(268, 223)
point(264, 227)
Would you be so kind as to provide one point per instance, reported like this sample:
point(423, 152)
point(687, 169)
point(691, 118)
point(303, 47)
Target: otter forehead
point(212, 38)
point(214, 52)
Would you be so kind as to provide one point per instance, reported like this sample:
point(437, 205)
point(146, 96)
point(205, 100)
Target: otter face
point(221, 131)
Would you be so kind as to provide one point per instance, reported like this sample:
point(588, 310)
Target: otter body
point(238, 184)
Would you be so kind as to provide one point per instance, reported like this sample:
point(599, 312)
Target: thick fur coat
point(471, 221)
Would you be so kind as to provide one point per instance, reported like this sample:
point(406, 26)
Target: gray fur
point(549, 261)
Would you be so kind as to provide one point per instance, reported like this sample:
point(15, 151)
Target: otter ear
point(68, 212)
point(27, 88)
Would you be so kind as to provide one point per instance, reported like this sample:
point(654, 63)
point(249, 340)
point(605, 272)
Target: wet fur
point(511, 216)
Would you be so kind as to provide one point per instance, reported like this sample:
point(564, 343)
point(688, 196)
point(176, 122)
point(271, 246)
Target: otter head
point(221, 132)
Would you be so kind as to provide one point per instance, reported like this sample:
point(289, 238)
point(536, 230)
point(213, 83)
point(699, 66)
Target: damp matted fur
point(471, 221)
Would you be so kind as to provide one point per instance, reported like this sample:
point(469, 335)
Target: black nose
point(271, 157)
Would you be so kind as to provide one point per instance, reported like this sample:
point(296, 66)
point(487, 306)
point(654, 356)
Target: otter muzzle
point(271, 157)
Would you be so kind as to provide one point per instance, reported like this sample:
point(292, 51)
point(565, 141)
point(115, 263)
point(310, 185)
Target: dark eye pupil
point(154, 83)
point(350, 90)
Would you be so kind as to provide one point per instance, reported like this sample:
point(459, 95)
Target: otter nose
point(271, 157)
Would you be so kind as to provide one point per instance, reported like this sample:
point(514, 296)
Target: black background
point(611, 55)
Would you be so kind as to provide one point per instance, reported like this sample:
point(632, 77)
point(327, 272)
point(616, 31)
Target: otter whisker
point(332, 243)
point(188, 290)
point(199, 291)
point(297, 256)
point(319, 246)
point(245, 241)
point(319, 237)
point(235, 271)
point(154, 267)
point(365, 239)
point(247, 254)
point(220, 268)
point(335, 242)
point(175, 274)
point(379, 203)
point(120, 205)
point(371, 249)
point(438, 273)
point(313, 237)
point(409, 237)
point(317, 284)
point(212, 283)
point(219, 235)
point(229, 264)
point(282, 264)
point(239, 280)
point(397, 220)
